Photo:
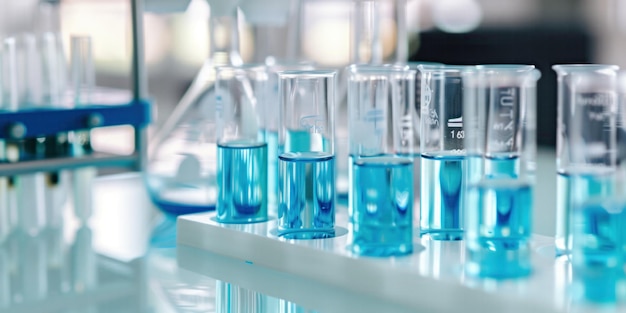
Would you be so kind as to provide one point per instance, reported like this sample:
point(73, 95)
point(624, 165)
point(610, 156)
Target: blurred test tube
point(83, 83)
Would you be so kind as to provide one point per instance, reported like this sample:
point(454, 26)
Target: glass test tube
point(241, 144)
point(306, 164)
point(500, 127)
point(23, 79)
point(83, 78)
point(380, 109)
point(416, 119)
point(598, 229)
point(271, 128)
point(442, 151)
point(586, 141)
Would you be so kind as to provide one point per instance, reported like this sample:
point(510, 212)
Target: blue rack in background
point(135, 111)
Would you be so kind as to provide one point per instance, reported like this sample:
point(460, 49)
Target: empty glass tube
point(306, 163)
point(586, 141)
point(380, 109)
point(500, 126)
point(442, 151)
point(83, 78)
point(241, 146)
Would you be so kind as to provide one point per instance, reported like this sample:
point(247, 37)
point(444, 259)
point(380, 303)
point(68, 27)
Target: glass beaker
point(442, 151)
point(586, 140)
point(306, 163)
point(380, 105)
point(500, 127)
point(241, 146)
point(181, 171)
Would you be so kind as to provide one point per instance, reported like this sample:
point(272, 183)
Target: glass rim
point(307, 74)
point(416, 64)
point(382, 68)
point(244, 67)
point(516, 68)
point(447, 68)
point(570, 68)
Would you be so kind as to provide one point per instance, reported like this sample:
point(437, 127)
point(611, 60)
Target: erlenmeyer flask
point(181, 172)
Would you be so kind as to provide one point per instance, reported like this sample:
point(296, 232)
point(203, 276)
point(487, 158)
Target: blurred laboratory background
point(126, 225)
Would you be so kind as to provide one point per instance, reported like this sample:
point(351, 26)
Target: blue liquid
point(382, 218)
point(443, 181)
point(597, 248)
point(176, 198)
point(242, 182)
point(306, 206)
point(303, 141)
point(575, 187)
point(272, 171)
point(499, 228)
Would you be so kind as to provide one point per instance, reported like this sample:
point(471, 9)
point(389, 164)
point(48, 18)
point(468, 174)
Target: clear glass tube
point(442, 151)
point(306, 169)
point(241, 145)
point(586, 140)
point(272, 125)
point(416, 119)
point(381, 107)
point(22, 89)
point(83, 78)
point(598, 223)
point(500, 129)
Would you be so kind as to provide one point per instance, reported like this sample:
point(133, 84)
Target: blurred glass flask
point(181, 173)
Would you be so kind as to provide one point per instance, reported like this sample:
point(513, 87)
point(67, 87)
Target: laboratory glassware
point(23, 90)
point(500, 128)
point(272, 124)
point(417, 125)
point(380, 108)
point(586, 140)
point(83, 80)
point(241, 147)
point(306, 163)
point(598, 225)
point(181, 171)
point(442, 151)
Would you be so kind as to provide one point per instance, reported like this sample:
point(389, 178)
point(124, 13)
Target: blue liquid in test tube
point(307, 194)
point(597, 249)
point(503, 209)
point(443, 182)
point(242, 173)
point(383, 201)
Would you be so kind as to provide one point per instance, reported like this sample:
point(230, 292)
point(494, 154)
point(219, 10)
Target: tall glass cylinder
point(241, 145)
point(272, 126)
point(443, 151)
point(83, 79)
point(306, 164)
point(500, 129)
point(416, 119)
point(381, 107)
point(586, 141)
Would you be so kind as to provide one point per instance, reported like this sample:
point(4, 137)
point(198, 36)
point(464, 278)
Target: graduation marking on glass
point(500, 126)
point(241, 145)
point(380, 109)
point(306, 162)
